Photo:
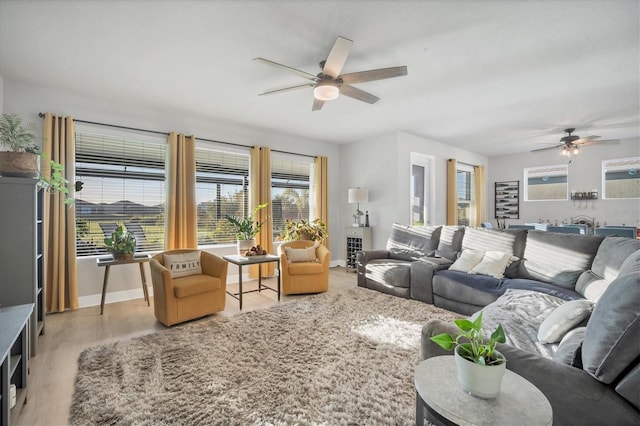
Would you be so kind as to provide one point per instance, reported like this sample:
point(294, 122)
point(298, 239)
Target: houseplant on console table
point(121, 244)
point(480, 366)
point(246, 230)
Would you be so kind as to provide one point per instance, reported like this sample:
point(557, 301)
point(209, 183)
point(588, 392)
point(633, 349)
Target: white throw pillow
point(467, 261)
point(493, 263)
point(301, 255)
point(183, 264)
point(562, 319)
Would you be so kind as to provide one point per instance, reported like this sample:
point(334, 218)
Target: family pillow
point(183, 264)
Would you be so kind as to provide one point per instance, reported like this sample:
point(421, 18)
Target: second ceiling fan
point(329, 83)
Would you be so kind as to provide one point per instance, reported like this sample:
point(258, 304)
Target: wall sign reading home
point(621, 178)
point(546, 183)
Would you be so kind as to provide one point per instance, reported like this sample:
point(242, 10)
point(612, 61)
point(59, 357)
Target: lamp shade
point(358, 195)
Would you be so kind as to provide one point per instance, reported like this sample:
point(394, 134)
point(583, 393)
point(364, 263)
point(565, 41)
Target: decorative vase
point(19, 164)
point(482, 381)
point(245, 245)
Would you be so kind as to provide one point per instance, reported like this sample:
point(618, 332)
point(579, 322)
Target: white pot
point(482, 381)
point(245, 245)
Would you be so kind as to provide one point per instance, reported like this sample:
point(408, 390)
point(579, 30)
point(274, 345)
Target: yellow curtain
point(321, 180)
point(452, 192)
point(480, 196)
point(61, 272)
point(181, 222)
point(260, 184)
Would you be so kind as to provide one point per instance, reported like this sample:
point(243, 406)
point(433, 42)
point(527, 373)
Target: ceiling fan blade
point(547, 148)
point(317, 104)
point(371, 75)
point(337, 57)
point(285, 89)
point(358, 94)
point(297, 72)
point(602, 142)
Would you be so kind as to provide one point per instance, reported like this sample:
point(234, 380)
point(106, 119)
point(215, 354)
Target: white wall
point(1, 94)
point(382, 165)
point(584, 175)
point(28, 101)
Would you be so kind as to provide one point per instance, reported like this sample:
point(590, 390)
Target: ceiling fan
point(571, 144)
point(328, 84)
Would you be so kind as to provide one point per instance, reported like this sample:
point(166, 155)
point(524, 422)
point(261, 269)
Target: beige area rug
point(344, 357)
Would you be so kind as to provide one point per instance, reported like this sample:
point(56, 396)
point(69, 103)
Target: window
point(421, 187)
point(222, 188)
point(621, 178)
point(123, 176)
point(546, 183)
point(290, 189)
point(465, 191)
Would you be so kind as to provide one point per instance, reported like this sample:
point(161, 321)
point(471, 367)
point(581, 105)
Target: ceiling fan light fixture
point(326, 91)
point(575, 151)
point(564, 152)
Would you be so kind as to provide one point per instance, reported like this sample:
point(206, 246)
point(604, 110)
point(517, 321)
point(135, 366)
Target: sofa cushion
point(195, 284)
point(541, 287)
point(611, 339)
point(493, 263)
point(511, 242)
point(629, 386)
point(479, 290)
point(183, 264)
point(450, 242)
point(467, 261)
point(413, 242)
point(305, 268)
point(307, 254)
point(391, 272)
point(557, 258)
point(568, 351)
point(631, 265)
point(563, 319)
point(606, 266)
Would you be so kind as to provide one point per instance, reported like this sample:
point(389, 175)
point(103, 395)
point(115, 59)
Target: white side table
point(519, 402)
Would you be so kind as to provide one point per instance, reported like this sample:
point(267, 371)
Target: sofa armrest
point(364, 257)
point(422, 277)
point(432, 328)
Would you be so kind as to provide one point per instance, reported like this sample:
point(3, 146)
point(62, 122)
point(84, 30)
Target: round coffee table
point(519, 401)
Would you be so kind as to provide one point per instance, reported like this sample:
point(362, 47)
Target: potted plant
point(293, 230)
point(21, 158)
point(246, 229)
point(480, 366)
point(122, 244)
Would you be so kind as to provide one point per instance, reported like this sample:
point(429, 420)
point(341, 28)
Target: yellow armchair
point(304, 277)
point(181, 299)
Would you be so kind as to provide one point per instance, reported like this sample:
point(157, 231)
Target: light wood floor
point(53, 369)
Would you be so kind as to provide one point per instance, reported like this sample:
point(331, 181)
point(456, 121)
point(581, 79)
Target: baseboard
point(113, 297)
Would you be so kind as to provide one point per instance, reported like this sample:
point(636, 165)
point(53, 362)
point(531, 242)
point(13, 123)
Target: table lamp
point(357, 196)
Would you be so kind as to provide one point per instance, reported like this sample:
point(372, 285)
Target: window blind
point(290, 188)
point(123, 176)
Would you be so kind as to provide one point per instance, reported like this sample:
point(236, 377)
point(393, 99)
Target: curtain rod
point(41, 115)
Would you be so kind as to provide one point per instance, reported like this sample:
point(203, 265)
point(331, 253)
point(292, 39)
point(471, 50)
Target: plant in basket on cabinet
point(122, 244)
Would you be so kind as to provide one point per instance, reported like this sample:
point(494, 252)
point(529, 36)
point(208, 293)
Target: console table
point(14, 349)
point(252, 260)
point(519, 401)
point(107, 262)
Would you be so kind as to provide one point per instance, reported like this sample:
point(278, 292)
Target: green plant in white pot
point(246, 229)
point(480, 366)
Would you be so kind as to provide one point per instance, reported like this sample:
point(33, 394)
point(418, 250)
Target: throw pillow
point(183, 264)
point(568, 351)
point(562, 319)
point(467, 261)
point(493, 263)
point(301, 255)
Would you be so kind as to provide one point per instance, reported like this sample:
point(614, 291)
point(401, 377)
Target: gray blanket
point(521, 312)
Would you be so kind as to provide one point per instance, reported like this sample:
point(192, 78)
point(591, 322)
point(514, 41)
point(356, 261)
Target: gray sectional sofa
point(590, 368)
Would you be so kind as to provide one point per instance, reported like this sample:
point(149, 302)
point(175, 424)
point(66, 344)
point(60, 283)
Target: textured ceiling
point(492, 77)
